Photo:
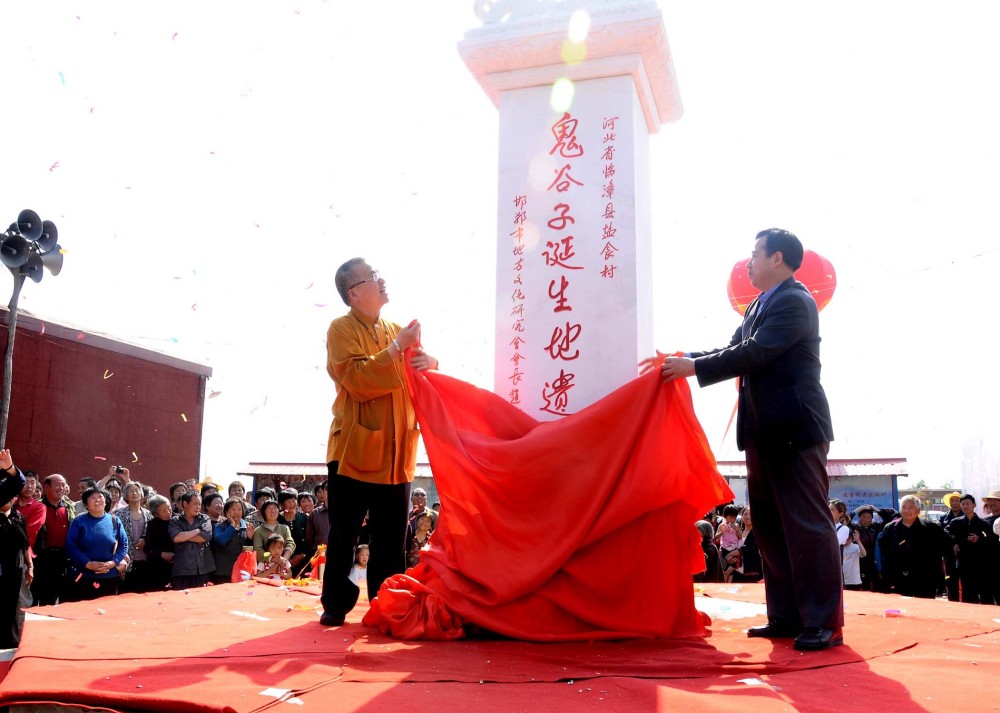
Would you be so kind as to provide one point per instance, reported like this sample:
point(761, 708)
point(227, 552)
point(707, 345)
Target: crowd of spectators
point(122, 536)
point(883, 550)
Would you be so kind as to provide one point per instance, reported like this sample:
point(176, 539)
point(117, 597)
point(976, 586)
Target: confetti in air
point(185, 418)
point(135, 458)
point(99, 458)
point(214, 394)
point(54, 166)
point(108, 374)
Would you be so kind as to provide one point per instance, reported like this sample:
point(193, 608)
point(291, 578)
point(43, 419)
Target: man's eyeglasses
point(374, 278)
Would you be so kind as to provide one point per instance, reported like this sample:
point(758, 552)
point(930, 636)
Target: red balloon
point(816, 273)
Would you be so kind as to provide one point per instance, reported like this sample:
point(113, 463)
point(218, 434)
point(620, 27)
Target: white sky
point(210, 164)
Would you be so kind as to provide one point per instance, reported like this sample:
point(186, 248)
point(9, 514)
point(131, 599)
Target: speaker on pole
point(14, 250)
point(50, 236)
point(33, 268)
point(53, 260)
point(29, 225)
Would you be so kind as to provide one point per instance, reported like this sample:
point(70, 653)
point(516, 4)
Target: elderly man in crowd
point(911, 551)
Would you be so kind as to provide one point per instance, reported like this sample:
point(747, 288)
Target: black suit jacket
point(775, 352)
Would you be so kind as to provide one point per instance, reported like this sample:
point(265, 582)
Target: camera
point(119, 469)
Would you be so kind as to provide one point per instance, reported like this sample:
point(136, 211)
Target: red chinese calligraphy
point(559, 252)
point(562, 217)
point(559, 294)
point(564, 132)
point(563, 179)
point(555, 393)
point(562, 342)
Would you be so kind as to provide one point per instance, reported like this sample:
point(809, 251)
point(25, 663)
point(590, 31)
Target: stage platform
point(240, 648)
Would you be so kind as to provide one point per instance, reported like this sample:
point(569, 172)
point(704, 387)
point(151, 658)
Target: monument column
point(580, 86)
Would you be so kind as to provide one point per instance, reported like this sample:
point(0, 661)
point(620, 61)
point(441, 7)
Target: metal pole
point(8, 362)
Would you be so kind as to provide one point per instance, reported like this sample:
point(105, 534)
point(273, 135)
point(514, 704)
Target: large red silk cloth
point(575, 529)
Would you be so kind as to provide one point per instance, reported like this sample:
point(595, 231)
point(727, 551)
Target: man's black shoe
point(772, 630)
point(817, 639)
point(330, 620)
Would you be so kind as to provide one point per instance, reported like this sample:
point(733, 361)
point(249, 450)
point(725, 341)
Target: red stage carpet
point(243, 648)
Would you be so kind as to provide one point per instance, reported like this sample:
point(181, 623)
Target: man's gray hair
point(911, 499)
point(345, 273)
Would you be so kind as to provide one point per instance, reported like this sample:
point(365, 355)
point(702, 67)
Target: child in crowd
point(729, 533)
point(274, 565)
point(359, 572)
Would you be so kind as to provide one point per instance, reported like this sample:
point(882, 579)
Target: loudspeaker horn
point(33, 268)
point(50, 236)
point(14, 250)
point(29, 225)
point(53, 260)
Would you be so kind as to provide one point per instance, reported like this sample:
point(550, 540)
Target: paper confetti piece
point(135, 458)
point(43, 327)
point(63, 251)
point(280, 693)
point(185, 418)
point(194, 307)
point(320, 305)
point(99, 458)
point(54, 166)
point(249, 615)
point(174, 37)
point(214, 394)
point(81, 336)
point(108, 374)
point(310, 286)
point(62, 79)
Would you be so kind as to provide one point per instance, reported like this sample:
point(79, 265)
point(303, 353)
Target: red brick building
point(82, 402)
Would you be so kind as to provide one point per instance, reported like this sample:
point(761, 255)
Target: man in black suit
point(784, 426)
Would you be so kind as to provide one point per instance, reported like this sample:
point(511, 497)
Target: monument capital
point(525, 43)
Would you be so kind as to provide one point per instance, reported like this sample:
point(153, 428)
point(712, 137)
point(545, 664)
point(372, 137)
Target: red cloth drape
point(580, 528)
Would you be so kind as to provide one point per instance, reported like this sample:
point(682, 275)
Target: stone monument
point(580, 86)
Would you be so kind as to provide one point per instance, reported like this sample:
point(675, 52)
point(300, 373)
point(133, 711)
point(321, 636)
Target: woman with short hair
point(158, 545)
point(96, 544)
point(134, 518)
point(191, 531)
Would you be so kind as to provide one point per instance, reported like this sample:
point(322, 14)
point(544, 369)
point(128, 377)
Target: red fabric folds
point(575, 529)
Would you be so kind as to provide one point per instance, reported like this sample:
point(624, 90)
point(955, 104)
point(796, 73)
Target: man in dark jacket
point(970, 536)
point(784, 426)
point(912, 552)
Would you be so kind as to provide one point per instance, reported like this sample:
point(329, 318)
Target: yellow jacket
point(373, 436)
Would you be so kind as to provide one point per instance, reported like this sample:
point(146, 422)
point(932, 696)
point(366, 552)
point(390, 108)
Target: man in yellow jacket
point(372, 450)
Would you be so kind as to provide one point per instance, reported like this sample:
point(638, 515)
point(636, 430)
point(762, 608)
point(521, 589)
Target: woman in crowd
point(96, 545)
point(854, 550)
point(713, 563)
point(421, 534)
point(231, 533)
point(158, 545)
point(114, 491)
point(191, 531)
point(270, 526)
point(260, 497)
point(753, 568)
point(236, 490)
point(134, 518)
